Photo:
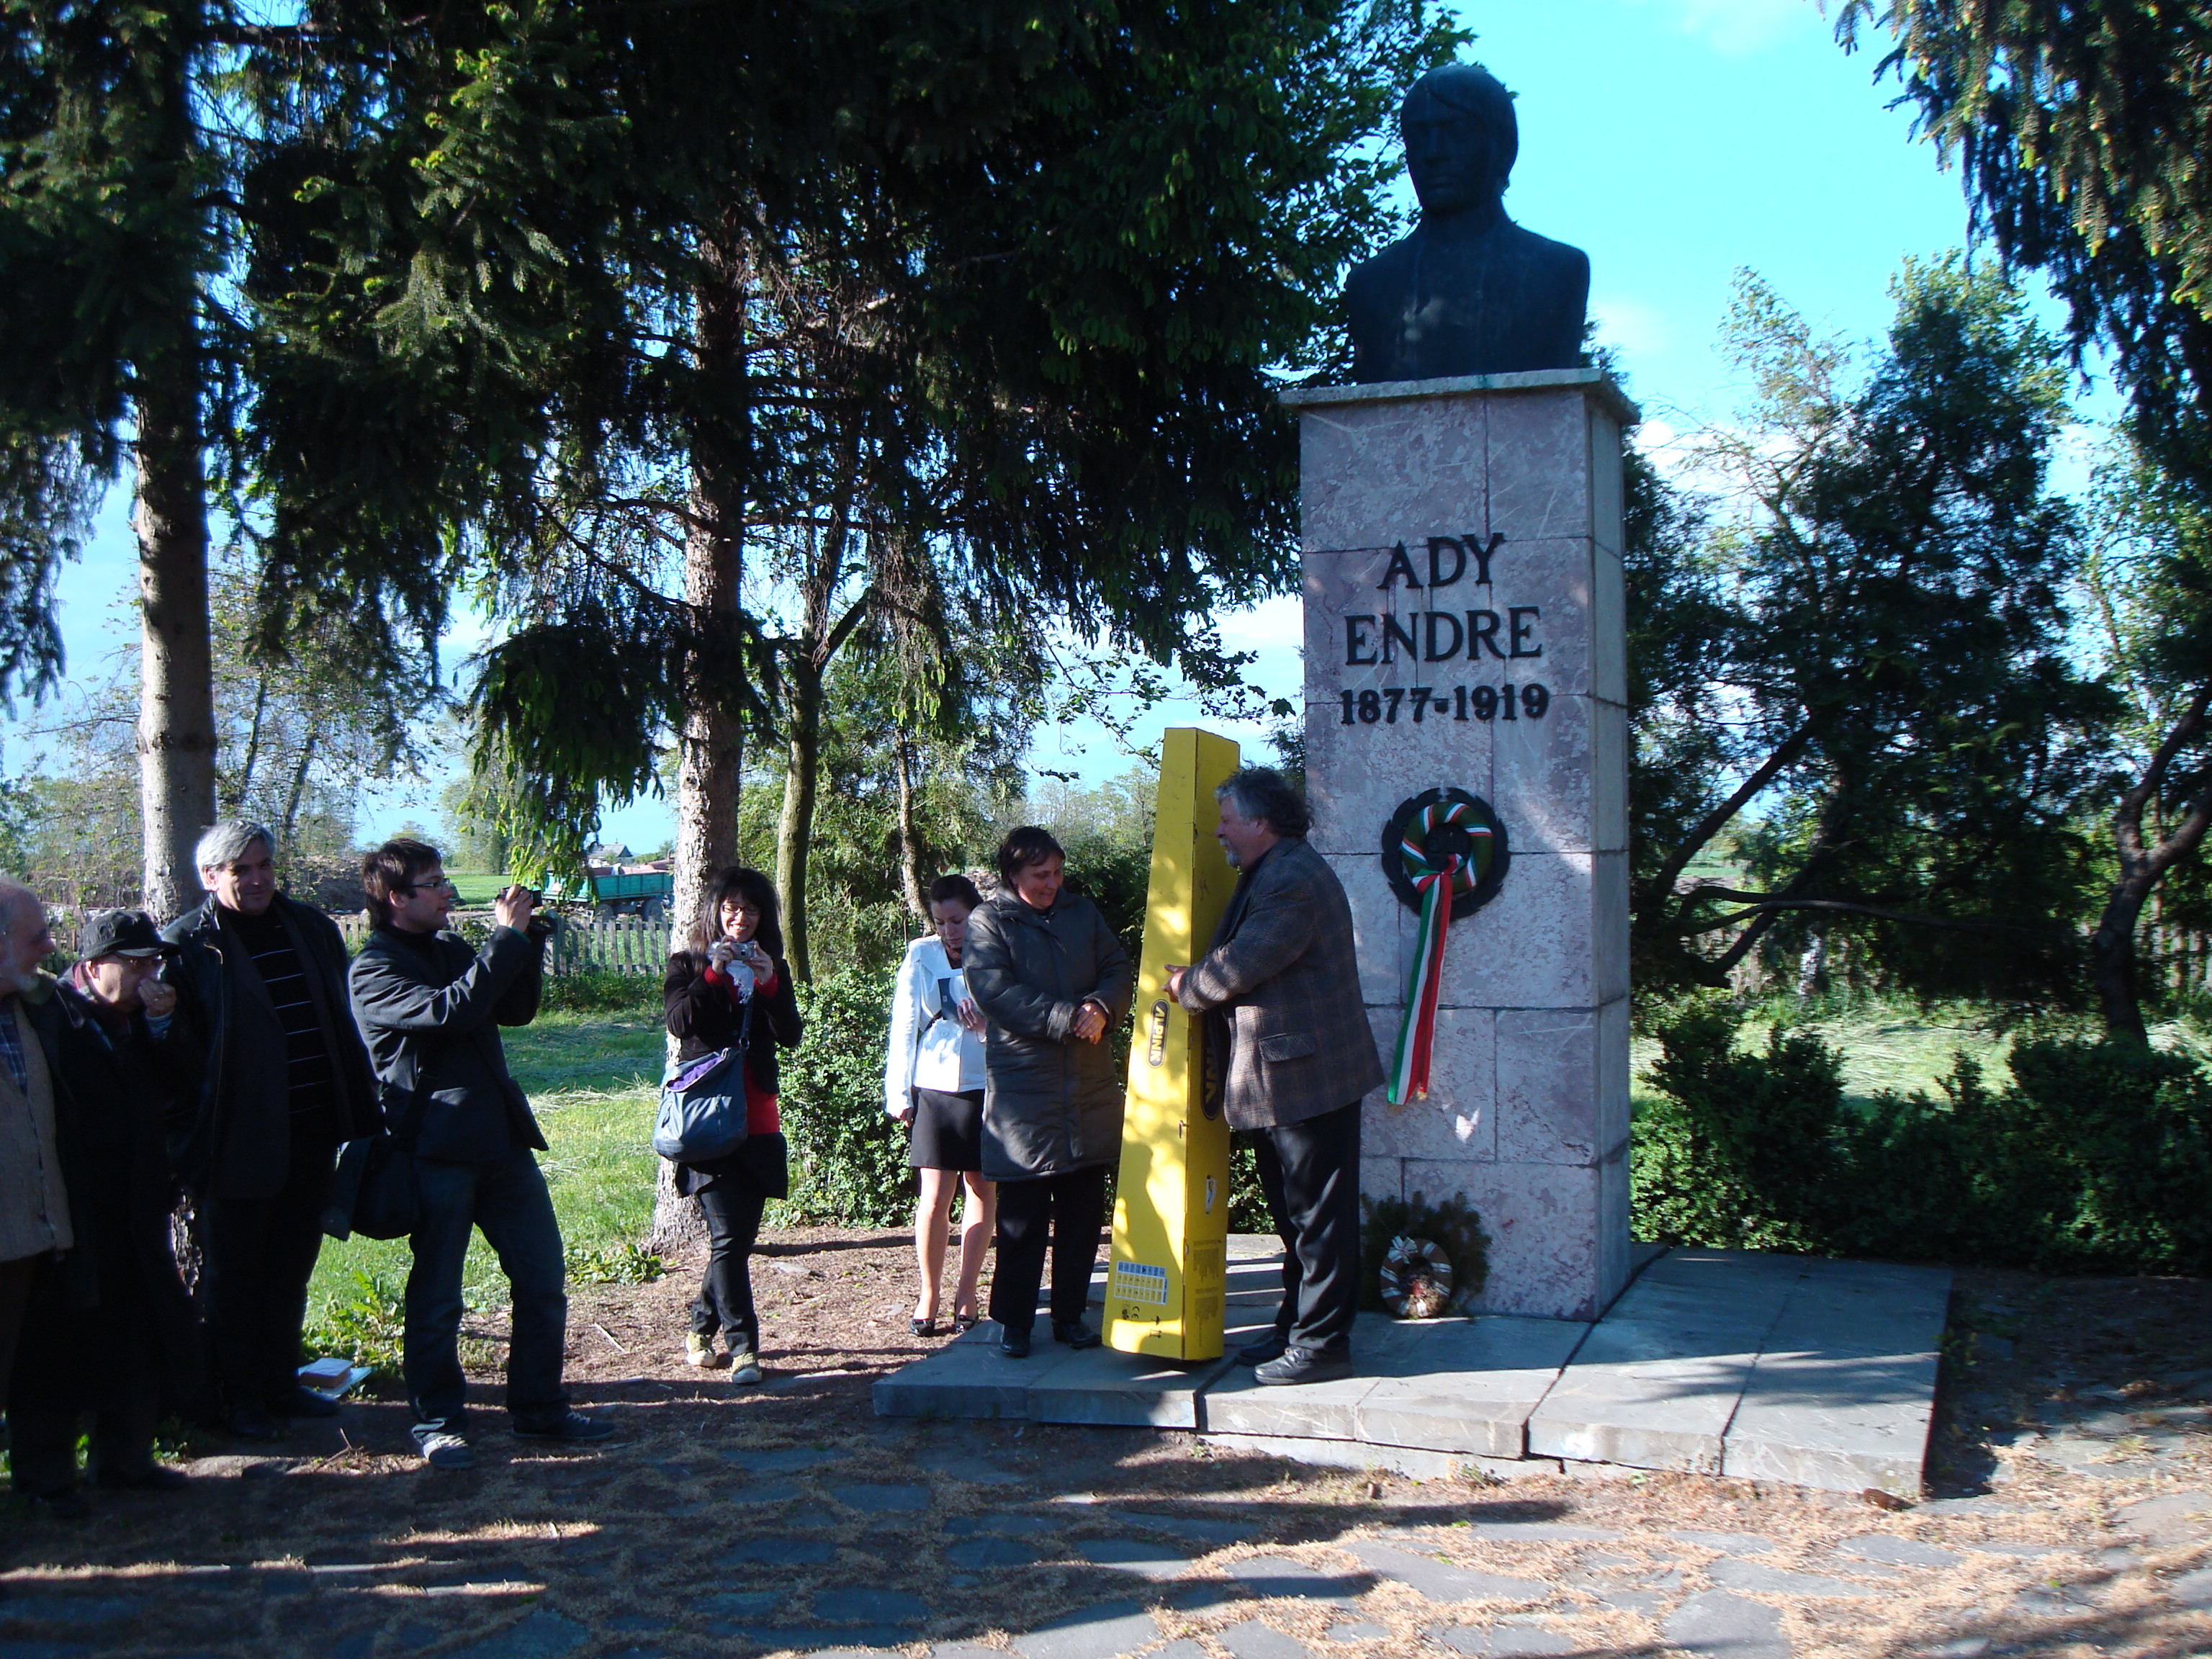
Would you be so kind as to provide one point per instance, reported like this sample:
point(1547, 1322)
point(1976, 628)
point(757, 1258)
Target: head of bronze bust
point(1461, 139)
point(1467, 291)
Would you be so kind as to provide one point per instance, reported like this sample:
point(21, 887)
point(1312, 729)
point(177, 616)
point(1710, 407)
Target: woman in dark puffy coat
point(733, 987)
point(1052, 979)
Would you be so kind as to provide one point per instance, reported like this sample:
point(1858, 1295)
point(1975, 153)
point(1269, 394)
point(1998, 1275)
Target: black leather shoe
point(303, 1402)
point(1270, 1346)
point(250, 1423)
point(67, 1505)
point(1076, 1336)
point(1014, 1345)
point(1304, 1365)
point(573, 1426)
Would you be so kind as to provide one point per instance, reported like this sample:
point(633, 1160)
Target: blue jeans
point(509, 1201)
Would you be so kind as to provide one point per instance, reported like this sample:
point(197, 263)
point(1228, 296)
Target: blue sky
point(1676, 141)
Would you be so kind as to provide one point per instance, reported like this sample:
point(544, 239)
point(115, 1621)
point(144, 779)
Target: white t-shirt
point(929, 1048)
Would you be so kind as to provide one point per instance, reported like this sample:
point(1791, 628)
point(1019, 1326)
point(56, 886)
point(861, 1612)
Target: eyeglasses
point(443, 884)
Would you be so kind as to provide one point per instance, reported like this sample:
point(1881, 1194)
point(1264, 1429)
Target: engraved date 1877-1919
point(1483, 702)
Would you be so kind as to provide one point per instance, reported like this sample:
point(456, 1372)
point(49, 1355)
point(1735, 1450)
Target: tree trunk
point(299, 789)
point(794, 830)
point(2113, 947)
point(244, 789)
point(711, 746)
point(2113, 958)
point(176, 715)
point(917, 898)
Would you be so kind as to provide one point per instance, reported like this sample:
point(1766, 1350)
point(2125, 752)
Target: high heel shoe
point(964, 1322)
point(923, 1327)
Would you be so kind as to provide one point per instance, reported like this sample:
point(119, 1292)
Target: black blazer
point(704, 1021)
point(432, 1020)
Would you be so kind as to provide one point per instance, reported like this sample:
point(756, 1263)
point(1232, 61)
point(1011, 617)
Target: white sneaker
point(745, 1367)
point(700, 1351)
point(447, 1451)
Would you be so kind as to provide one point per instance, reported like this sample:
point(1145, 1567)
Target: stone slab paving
point(1811, 1373)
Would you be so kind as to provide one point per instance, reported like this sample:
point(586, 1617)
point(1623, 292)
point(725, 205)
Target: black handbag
point(375, 1191)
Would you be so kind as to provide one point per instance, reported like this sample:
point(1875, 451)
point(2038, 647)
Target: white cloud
point(1739, 29)
point(1279, 622)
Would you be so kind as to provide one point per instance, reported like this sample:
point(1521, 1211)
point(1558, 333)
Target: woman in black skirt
point(733, 987)
point(934, 1079)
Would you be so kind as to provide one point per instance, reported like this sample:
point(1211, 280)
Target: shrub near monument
point(2094, 1156)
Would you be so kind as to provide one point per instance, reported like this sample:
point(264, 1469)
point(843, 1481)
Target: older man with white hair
point(261, 978)
point(34, 1206)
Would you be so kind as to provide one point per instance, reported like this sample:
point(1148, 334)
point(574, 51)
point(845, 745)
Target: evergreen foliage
point(2094, 1157)
point(847, 1155)
point(992, 295)
point(2082, 130)
point(1859, 684)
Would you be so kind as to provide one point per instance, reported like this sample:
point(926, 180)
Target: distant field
point(1899, 1047)
point(475, 887)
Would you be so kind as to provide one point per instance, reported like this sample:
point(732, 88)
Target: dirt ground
point(2067, 1514)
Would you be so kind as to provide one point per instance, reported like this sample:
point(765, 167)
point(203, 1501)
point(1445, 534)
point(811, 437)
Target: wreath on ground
point(1454, 1224)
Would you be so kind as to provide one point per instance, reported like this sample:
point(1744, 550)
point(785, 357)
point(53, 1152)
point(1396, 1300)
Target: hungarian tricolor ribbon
point(1438, 880)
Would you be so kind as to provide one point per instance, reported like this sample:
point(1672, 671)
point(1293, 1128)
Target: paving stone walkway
point(793, 1521)
point(1045, 1550)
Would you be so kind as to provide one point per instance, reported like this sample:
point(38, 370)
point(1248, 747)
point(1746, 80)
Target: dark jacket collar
point(207, 917)
point(1013, 904)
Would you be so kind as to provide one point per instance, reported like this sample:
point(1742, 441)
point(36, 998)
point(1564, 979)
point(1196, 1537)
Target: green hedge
point(2094, 1156)
point(847, 1157)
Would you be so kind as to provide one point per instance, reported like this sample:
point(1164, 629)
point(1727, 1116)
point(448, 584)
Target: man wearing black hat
point(127, 1070)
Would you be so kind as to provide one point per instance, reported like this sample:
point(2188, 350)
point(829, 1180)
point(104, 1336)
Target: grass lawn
point(475, 887)
point(592, 1078)
point(1894, 1045)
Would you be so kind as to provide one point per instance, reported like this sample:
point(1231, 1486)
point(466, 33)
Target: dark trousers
point(69, 1366)
point(1311, 1174)
point(16, 1278)
point(725, 1302)
point(258, 1254)
point(508, 1200)
point(1069, 1210)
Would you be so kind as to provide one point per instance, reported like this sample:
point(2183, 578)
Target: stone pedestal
point(1461, 550)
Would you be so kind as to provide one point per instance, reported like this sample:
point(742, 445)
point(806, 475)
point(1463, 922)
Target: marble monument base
point(1465, 627)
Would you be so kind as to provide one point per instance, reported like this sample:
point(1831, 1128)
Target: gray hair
point(224, 843)
point(13, 896)
point(1261, 793)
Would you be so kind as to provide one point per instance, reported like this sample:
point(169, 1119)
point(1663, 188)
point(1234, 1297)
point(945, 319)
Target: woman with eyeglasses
point(732, 989)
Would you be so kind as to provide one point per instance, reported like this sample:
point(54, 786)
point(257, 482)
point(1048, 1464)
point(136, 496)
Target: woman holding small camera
point(732, 989)
point(934, 1080)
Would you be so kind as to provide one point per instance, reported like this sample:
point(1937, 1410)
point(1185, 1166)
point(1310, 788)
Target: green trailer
point(642, 893)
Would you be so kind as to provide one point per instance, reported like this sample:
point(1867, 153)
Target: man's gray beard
point(1229, 852)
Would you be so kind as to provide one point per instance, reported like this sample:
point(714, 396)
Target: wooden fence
point(624, 945)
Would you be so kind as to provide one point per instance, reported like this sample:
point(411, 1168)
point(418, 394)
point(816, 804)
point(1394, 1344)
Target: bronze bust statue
point(1468, 292)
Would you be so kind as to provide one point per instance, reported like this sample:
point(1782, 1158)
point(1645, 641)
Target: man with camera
point(431, 1008)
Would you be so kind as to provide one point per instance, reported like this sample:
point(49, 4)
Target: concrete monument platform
point(1812, 1372)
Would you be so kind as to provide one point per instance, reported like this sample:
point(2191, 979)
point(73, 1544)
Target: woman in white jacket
point(934, 1079)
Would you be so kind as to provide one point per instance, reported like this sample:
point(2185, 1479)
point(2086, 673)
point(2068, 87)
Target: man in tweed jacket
point(1281, 984)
